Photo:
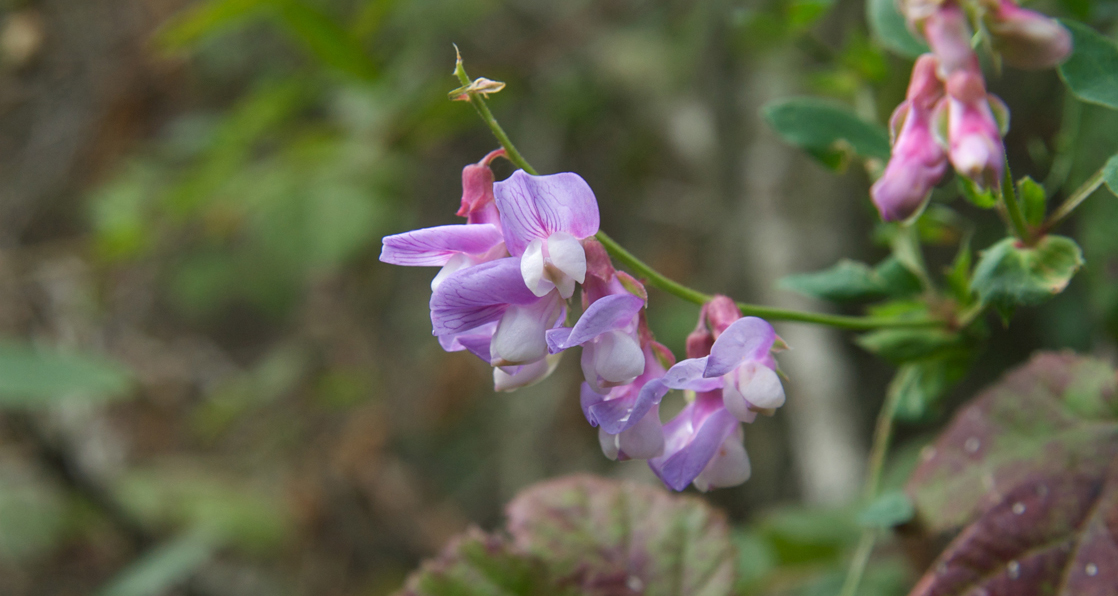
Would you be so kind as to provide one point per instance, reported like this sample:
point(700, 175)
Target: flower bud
point(1027, 39)
point(721, 312)
point(949, 34)
point(974, 139)
point(478, 202)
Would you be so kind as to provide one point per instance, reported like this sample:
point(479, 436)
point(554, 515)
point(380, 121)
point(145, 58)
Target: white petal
point(729, 466)
point(527, 375)
point(589, 368)
point(764, 390)
point(734, 401)
point(567, 255)
point(618, 357)
point(645, 439)
point(458, 261)
point(532, 268)
point(520, 336)
point(608, 443)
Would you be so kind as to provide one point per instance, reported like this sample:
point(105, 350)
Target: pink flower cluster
point(947, 115)
point(502, 293)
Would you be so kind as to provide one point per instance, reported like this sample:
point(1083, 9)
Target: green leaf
point(1091, 72)
point(903, 345)
point(1110, 174)
point(323, 37)
point(589, 530)
point(165, 567)
point(203, 20)
point(889, 28)
point(848, 281)
point(1033, 199)
point(923, 383)
point(1009, 275)
point(979, 197)
point(829, 132)
point(958, 276)
point(887, 510)
point(31, 376)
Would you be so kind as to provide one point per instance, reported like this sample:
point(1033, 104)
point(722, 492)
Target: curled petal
point(538, 206)
point(747, 339)
point(478, 295)
point(476, 341)
point(433, 247)
point(606, 314)
point(690, 442)
point(688, 374)
point(917, 164)
point(509, 378)
point(752, 388)
point(568, 261)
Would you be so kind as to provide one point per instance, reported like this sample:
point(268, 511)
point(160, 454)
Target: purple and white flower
point(628, 419)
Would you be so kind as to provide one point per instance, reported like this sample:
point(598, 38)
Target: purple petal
point(748, 338)
point(557, 339)
point(688, 374)
point(433, 247)
point(588, 398)
point(679, 468)
point(478, 295)
point(606, 314)
point(538, 206)
point(476, 341)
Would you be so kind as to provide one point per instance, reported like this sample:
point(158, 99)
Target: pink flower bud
point(949, 34)
point(1027, 39)
point(478, 204)
point(974, 139)
point(721, 311)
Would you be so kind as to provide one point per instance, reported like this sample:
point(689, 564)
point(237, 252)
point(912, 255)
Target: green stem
point(483, 110)
point(1091, 185)
point(1008, 197)
point(882, 436)
point(659, 280)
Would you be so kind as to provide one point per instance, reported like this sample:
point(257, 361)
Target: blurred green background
point(210, 385)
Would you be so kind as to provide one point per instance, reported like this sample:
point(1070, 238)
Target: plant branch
point(1008, 197)
point(483, 110)
point(882, 436)
point(1085, 190)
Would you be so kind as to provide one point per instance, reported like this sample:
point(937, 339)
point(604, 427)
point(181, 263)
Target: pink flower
point(1027, 39)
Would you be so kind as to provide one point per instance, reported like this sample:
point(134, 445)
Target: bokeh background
point(196, 190)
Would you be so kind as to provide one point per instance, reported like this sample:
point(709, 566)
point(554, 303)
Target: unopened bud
point(1027, 39)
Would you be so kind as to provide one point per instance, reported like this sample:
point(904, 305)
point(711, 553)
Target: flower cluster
point(502, 294)
point(947, 115)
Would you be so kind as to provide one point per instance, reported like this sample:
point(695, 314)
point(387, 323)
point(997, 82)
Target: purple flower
point(544, 219)
point(1027, 39)
point(628, 418)
point(702, 444)
point(949, 34)
point(607, 332)
point(453, 247)
point(918, 162)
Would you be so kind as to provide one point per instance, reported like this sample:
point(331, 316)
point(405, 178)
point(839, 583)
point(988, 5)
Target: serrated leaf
point(1033, 200)
point(1056, 415)
point(31, 376)
point(903, 345)
point(888, 27)
point(164, 567)
point(1009, 275)
point(827, 131)
point(848, 281)
point(599, 535)
point(890, 509)
point(1091, 72)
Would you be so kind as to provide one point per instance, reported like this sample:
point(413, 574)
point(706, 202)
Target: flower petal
point(643, 440)
point(532, 265)
point(538, 206)
point(729, 466)
point(478, 295)
point(605, 314)
point(514, 377)
point(688, 374)
point(678, 468)
point(433, 247)
point(521, 333)
point(748, 338)
point(618, 357)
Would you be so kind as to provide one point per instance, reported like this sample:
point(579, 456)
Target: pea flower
point(918, 162)
point(544, 219)
point(628, 418)
point(973, 133)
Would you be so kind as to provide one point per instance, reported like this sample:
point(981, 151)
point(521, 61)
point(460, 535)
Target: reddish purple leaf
point(1032, 463)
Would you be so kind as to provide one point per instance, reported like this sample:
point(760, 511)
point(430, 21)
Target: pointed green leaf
point(922, 383)
point(890, 509)
point(205, 19)
point(1009, 275)
point(826, 130)
point(31, 376)
point(1091, 72)
point(1033, 200)
point(848, 281)
point(1110, 174)
point(979, 197)
point(888, 27)
point(163, 568)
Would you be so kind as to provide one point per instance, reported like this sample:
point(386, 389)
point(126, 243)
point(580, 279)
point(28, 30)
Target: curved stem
point(483, 110)
point(1091, 185)
point(882, 435)
point(659, 280)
